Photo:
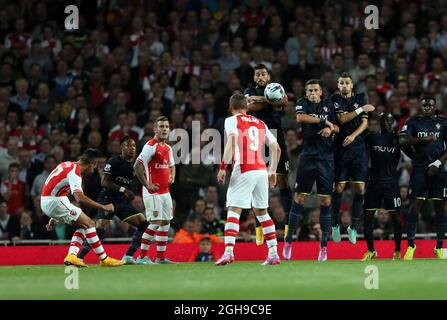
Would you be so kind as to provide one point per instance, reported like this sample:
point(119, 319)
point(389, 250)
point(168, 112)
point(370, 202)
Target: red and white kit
point(249, 180)
point(157, 159)
point(54, 202)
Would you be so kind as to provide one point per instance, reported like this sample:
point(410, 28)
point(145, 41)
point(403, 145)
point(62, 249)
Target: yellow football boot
point(409, 254)
point(73, 260)
point(439, 253)
point(110, 262)
point(369, 255)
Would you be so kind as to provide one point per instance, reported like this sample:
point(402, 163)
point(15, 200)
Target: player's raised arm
point(255, 103)
point(344, 117)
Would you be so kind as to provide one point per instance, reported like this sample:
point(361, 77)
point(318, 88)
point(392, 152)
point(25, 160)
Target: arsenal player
point(66, 178)
point(155, 168)
point(250, 179)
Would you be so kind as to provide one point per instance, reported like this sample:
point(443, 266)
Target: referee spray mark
point(72, 280)
point(372, 278)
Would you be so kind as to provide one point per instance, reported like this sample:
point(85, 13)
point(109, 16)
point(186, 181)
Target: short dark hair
point(345, 75)
point(261, 66)
point(238, 101)
point(89, 156)
point(161, 118)
point(428, 97)
point(14, 165)
point(124, 139)
point(313, 81)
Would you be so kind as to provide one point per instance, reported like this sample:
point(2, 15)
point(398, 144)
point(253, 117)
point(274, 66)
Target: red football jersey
point(252, 134)
point(157, 159)
point(64, 178)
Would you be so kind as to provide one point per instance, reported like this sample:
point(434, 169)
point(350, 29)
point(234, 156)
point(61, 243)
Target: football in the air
point(274, 92)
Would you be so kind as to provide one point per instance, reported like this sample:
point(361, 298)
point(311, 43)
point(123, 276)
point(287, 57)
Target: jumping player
point(270, 114)
point(66, 178)
point(249, 182)
point(316, 163)
point(383, 183)
point(427, 135)
point(116, 183)
point(155, 169)
point(351, 161)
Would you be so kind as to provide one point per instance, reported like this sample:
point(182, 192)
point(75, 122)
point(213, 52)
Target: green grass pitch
point(337, 279)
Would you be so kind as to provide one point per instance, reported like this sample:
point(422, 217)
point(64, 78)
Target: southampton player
point(66, 178)
point(383, 183)
point(351, 159)
point(116, 183)
point(249, 182)
point(155, 168)
point(316, 163)
point(426, 134)
point(269, 113)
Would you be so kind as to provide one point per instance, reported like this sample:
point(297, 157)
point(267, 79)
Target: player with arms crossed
point(351, 159)
point(316, 162)
point(269, 113)
point(249, 182)
point(383, 183)
point(66, 178)
point(155, 169)
point(116, 183)
point(426, 134)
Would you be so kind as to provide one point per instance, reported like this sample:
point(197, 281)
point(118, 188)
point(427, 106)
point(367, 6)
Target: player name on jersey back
point(252, 134)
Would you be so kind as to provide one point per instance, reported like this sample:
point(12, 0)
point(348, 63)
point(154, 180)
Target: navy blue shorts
point(123, 208)
point(283, 163)
point(351, 165)
point(423, 186)
point(310, 171)
point(382, 195)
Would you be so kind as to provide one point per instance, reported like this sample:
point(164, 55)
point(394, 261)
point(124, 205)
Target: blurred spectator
point(279, 217)
point(211, 224)
point(312, 229)
point(188, 233)
point(383, 226)
point(204, 252)
point(345, 221)
point(9, 224)
point(13, 190)
point(247, 226)
point(8, 155)
point(29, 230)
